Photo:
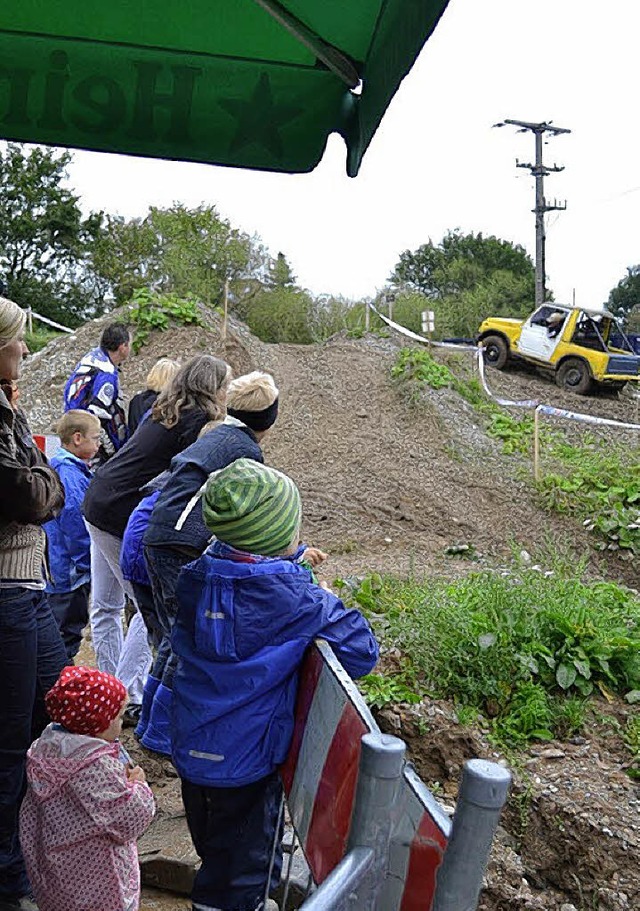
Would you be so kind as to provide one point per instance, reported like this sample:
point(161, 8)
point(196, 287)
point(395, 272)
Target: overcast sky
point(436, 163)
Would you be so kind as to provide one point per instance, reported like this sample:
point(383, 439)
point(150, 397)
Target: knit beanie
point(252, 507)
point(85, 700)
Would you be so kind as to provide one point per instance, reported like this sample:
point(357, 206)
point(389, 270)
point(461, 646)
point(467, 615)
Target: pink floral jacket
point(79, 823)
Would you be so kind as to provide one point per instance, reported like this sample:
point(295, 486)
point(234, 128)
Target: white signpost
point(428, 322)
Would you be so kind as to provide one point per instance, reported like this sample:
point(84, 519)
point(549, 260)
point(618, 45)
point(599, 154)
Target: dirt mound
point(386, 485)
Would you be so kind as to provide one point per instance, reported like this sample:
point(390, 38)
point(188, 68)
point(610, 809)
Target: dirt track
point(386, 485)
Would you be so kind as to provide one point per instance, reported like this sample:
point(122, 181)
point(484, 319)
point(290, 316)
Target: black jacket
point(115, 490)
point(138, 405)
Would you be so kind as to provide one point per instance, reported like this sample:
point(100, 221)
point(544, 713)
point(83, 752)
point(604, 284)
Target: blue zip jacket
point(67, 535)
point(240, 635)
point(189, 470)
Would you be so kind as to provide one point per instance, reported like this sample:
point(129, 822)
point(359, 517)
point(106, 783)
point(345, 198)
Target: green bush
point(152, 311)
point(516, 648)
point(418, 366)
point(603, 489)
point(36, 340)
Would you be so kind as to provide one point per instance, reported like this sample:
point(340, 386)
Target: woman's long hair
point(201, 383)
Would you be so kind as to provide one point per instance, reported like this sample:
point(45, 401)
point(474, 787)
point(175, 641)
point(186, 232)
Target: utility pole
point(539, 171)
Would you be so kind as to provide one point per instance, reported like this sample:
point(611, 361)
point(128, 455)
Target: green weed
point(417, 365)
point(524, 650)
point(40, 337)
point(601, 489)
point(153, 311)
point(380, 690)
point(631, 737)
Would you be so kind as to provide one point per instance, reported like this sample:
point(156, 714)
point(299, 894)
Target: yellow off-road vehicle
point(582, 347)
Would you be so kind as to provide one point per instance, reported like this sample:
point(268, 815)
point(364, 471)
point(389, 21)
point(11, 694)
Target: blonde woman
point(195, 395)
point(32, 653)
point(160, 375)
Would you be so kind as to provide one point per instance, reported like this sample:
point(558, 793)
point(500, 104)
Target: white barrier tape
point(584, 418)
point(414, 335)
point(522, 403)
point(50, 322)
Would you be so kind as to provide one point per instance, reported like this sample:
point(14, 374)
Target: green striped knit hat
point(252, 507)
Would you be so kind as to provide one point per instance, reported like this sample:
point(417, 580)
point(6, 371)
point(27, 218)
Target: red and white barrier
point(48, 443)
point(320, 776)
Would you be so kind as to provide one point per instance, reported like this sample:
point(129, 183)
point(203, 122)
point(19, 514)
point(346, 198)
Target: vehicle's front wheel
point(574, 376)
point(496, 351)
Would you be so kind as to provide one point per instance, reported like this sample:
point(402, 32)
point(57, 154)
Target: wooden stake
point(226, 311)
point(536, 445)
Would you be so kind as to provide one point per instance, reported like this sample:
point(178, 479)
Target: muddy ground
point(389, 485)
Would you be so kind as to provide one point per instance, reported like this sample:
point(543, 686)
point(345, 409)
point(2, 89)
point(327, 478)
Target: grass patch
point(36, 340)
point(525, 651)
point(602, 489)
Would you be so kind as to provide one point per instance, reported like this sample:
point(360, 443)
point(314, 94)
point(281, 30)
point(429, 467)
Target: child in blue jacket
point(69, 585)
point(247, 611)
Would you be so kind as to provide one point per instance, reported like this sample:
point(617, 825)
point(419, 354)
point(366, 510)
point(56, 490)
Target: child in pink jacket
point(84, 807)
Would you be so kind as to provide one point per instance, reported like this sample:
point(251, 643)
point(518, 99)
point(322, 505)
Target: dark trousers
point(71, 613)
point(32, 655)
point(233, 831)
point(144, 600)
point(164, 565)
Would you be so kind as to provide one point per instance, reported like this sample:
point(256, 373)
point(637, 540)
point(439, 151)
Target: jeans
point(128, 659)
point(71, 613)
point(234, 831)
point(164, 565)
point(32, 654)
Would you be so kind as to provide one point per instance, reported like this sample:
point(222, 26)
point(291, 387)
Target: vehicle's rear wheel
point(573, 375)
point(496, 351)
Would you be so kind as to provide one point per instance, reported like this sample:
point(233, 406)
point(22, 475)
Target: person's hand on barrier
point(136, 774)
point(313, 556)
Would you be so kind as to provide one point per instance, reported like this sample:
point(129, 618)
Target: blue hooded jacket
point(67, 535)
point(240, 636)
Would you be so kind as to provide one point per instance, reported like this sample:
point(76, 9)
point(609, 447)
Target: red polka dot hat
point(85, 700)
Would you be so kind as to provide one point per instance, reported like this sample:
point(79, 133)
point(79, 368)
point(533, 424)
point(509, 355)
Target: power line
point(539, 171)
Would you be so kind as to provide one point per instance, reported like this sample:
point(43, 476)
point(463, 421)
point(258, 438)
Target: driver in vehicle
point(554, 324)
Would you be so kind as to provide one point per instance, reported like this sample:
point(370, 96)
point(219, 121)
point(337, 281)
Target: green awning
point(252, 83)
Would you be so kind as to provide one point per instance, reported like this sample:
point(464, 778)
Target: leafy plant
point(525, 650)
point(602, 489)
point(152, 311)
point(380, 690)
point(417, 365)
point(631, 738)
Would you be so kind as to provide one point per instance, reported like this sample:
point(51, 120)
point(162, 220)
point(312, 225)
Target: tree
point(459, 263)
point(626, 294)
point(463, 279)
point(44, 240)
point(280, 273)
point(177, 250)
